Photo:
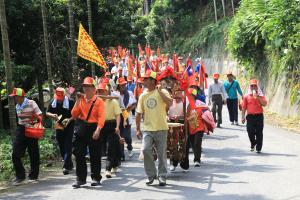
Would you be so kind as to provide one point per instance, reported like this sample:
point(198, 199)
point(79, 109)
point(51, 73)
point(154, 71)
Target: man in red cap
point(153, 104)
point(127, 103)
point(61, 106)
point(253, 104)
point(26, 110)
point(110, 133)
point(217, 96)
point(90, 116)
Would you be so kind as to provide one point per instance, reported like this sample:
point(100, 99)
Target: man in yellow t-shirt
point(153, 104)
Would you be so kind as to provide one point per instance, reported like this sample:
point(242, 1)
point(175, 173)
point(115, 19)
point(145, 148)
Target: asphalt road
point(229, 171)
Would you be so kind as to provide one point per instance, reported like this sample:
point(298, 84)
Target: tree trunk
point(72, 42)
point(8, 68)
point(1, 114)
point(232, 4)
point(90, 31)
point(41, 94)
point(215, 7)
point(146, 7)
point(223, 5)
point(46, 42)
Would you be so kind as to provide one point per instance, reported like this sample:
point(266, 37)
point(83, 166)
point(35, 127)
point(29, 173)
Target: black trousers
point(81, 142)
point(232, 105)
point(64, 140)
point(255, 126)
point(196, 141)
point(217, 106)
point(113, 144)
point(126, 134)
point(20, 144)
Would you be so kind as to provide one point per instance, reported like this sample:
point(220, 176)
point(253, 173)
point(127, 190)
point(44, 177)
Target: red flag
point(148, 50)
point(154, 65)
point(137, 66)
point(202, 77)
point(119, 50)
point(147, 66)
point(130, 65)
point(158, 52)
point(175, 62)
point(141, 52)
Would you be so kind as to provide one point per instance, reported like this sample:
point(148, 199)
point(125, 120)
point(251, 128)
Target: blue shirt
point(232, 91)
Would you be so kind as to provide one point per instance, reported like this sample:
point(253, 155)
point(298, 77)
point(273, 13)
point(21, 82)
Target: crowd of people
point(156, 91)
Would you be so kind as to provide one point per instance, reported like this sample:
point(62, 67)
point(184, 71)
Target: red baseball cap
point(17, 92)
point(102, 86)
point(253, 82)
point(59, 93)
point(89, 81)
point(129, 78)
point(216, 76)
point(140, 80)
point(121, 81)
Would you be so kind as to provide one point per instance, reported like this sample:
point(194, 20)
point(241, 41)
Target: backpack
point(209, 121)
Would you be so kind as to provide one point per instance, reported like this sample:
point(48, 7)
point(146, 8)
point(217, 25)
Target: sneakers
point(161, 181)
point(32, 180)
point(18, 181)
point(237, 123)
point(197, 164)
point(66, 171)
point(130, 153)
point(114, 170)
point(185, 170)
point(95, 182)
point(108, 174)
point(252, 147)
point(150, 181)
point(78, 184)
point(172, 168)
point(232, 123)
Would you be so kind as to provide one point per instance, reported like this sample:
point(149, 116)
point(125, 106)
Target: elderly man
point(153, 104)
point(217, 96)
point(26, 109)
point(90, 116)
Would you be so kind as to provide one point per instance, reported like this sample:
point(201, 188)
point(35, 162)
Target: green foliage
point(48, 152)
point(267, 31)
point(203, 39)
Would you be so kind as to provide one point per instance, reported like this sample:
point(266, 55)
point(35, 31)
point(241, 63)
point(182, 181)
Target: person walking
point(90, 116)
point(26, 110)
point(111, 131)
point(127, 103)
point(217, 97)
point(232, 87)
point(61, 106)
point(253, 104)
point(153, 104)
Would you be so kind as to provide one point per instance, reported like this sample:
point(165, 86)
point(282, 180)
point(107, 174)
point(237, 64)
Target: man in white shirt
point(217, 96)
point(127, 103)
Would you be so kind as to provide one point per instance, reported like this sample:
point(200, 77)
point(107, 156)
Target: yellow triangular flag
point(87, 49)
